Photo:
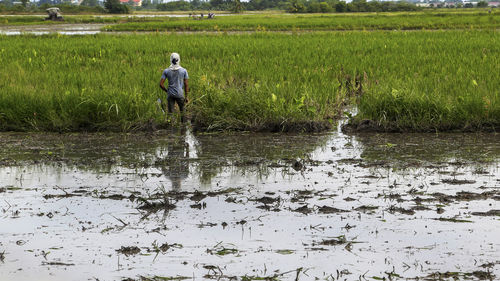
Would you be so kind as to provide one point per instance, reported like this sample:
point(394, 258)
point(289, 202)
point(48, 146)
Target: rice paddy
point(265, 81)
point(181, 203)
point(423, 80)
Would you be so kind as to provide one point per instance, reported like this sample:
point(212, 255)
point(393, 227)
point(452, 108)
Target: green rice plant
point(71, 19)
point(280, 22)
point(450, 83)
point(425, 80)
point(111, 82)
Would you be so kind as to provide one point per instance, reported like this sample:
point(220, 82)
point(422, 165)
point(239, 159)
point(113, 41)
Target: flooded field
point(176, 205)
point(66, 29)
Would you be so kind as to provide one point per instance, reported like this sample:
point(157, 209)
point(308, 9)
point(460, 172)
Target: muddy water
point(66, 29)
point(211, 206)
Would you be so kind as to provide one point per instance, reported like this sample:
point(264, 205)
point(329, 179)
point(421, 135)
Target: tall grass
point(264, 81)
point(436, 81)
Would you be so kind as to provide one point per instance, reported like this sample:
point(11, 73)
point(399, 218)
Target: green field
point(286, 22)
point(440, 19)
point(417, 81)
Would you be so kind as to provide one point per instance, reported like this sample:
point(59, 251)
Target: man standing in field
point(178, 88)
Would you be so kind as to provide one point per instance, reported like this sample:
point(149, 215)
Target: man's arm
point(186, 90)
point(162, 86)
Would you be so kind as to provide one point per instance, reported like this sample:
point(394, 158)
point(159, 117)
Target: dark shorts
point(172, 101)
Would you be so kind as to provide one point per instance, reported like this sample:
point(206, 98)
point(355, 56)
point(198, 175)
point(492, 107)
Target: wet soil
point(173, 205)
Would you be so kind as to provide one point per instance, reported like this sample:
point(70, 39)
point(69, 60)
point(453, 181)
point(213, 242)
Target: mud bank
point(371, 126)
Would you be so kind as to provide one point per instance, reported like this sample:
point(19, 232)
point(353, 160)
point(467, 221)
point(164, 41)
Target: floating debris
point(330, 210)
point(452, 220)
point(128, 251)
point(488, 213)
point(366, 208)
point(57, 263)
point(457, 182)
point(304, 210)
point(221, 250)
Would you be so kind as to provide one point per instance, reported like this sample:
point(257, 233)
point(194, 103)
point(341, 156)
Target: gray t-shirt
point(175, 81)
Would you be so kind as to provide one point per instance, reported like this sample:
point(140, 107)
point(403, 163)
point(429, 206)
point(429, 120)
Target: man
point(178, 88)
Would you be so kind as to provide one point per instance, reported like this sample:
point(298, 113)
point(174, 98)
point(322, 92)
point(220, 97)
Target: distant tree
point(222, 5)
point(296, 6)
point(205, 5)
point(195, 4)
point(25, 2)
point(468, 5)
point(375, 6)
point(482, 4)
point(313, 7)
point(237, 7)
point(341, 7)
point(255, 4)
point(90, 3)
point(325, 8)
point(404, 6)
point(115, 7)
point(358, 6)
point(174, 6)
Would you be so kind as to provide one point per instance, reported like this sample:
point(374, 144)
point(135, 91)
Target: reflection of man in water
point(176, 166)
point(178, 88)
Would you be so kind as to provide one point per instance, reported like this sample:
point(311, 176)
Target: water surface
point(324, 206)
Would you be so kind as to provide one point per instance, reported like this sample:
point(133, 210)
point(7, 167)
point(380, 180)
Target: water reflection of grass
point(257, 154)
point(420, 149)
point(210, 155)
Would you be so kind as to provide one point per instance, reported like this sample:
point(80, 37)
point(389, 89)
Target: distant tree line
point(115, 7)
point(87, 6)
point(40, 7)
point(291, 6)
point(328, 6)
